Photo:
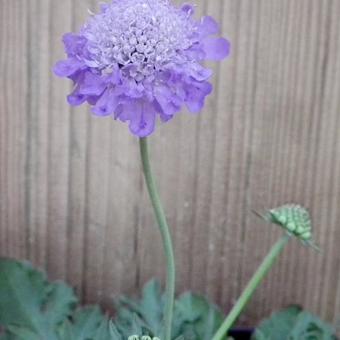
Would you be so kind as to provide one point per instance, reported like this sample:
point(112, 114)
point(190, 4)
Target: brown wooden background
point(72, 196)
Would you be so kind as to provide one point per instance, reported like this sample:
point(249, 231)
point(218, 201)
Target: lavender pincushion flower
point(139, 58)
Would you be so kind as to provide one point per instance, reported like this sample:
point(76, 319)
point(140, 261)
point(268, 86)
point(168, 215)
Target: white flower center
point(146, 34)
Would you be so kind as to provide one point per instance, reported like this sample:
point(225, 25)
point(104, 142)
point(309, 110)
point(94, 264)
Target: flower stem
point(251, 287)
point(166, 237)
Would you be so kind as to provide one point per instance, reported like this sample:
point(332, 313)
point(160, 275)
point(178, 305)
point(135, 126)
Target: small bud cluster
point(295, 220)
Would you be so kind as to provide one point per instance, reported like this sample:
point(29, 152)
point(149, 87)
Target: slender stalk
point(166, 237)
point(251, 287)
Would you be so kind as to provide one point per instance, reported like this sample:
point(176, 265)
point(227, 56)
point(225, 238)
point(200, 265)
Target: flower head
point(137, 59)
point(295, 219)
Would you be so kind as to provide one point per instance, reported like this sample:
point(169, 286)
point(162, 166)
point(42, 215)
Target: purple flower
point(137, 59)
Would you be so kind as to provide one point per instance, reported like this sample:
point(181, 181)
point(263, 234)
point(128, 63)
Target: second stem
point(166, 237)
point(248, 292)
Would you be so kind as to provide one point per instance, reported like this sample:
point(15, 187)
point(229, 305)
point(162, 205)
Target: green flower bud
point(290, 226)
point(300, 230)
point(295, 220)
point(307, 235)
point(282, 219)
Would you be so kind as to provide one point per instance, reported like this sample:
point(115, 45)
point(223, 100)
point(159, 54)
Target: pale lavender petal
point(93, 84)
point(142, 119)
point(115, 77)
point(76, 98)
point(107, 104)
point(166, 100)
point(121, 113)
point(196, 93)
point(188, 9)
point(74, 44)
point(92, 100)
point(163, 116)
point(195, 52)
point(208, 26)
point(216, 48)
point(68, 67)
point(199, 72)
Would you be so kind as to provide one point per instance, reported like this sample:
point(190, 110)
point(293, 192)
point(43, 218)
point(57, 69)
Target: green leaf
point(60, 301)
point(196, 317)
point(113, 331)
point(152, 305)
point(86, 323)
point(31, 308)
point(132, 324)
point(293, 324)
point(309, 327)
point(279, 324)
point(22, 333)
point(144, 316)
point(65, 332)
point(103, 332)
point(29, 302)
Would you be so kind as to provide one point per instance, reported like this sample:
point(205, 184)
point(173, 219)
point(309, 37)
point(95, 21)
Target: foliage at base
point(294, 324)
point(31, 308)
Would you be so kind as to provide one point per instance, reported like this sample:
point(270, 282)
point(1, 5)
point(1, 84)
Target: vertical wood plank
point(59, 147)
point(38, 120)
point(13, 128)
point(78, 172)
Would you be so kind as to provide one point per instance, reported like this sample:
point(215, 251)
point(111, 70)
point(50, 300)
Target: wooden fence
point(72, 195)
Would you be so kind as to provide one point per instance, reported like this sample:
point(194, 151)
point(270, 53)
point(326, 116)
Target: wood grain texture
point(72, 197)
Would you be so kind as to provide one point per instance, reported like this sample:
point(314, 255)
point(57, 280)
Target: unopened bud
point(295, 219)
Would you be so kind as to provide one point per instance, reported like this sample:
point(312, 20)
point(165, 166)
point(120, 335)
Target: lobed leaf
point(31, 308)
point(294, 324)
point(194, 317)
point(29, 304)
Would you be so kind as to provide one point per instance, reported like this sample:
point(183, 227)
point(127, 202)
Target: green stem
point(251, 287)
point(166, 237)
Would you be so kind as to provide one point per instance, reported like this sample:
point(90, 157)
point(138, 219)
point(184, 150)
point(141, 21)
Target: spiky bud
point(295, 219)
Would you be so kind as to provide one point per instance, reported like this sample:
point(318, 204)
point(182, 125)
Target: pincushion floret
point(139, 59)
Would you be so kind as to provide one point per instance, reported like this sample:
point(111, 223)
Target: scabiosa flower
point(137, 59)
